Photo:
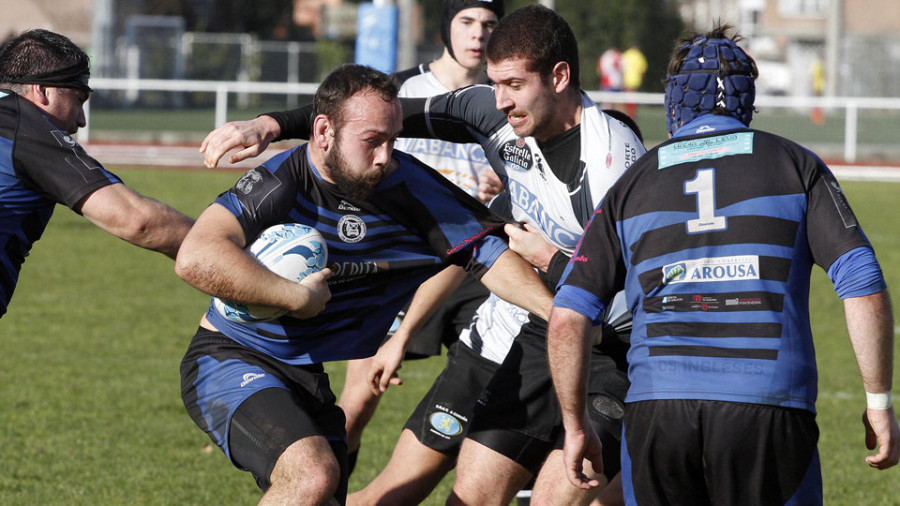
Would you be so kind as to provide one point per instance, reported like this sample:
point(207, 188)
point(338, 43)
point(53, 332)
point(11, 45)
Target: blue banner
point(376, 36)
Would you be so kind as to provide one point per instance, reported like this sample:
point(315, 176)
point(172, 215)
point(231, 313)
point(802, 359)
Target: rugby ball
point(291, 250)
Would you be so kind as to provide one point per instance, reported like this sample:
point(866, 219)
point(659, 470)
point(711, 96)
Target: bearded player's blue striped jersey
point(40, 166)
point(713, 235)
point(380, 249)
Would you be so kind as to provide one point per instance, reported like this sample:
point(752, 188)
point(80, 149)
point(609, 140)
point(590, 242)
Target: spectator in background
point(634, 65)
point(609, 70)
point(817, 83)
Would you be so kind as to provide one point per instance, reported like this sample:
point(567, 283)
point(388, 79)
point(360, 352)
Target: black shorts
point(254, 407)
point(445, 325)
point(442, 418)
point(710, 452)
point(518, 414)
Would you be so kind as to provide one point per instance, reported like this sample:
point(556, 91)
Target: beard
point(354, 186)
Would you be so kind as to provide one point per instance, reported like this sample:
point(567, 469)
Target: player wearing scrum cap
point(713, 235)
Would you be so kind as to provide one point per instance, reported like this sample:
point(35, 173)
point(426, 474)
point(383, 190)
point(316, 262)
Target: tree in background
point(654, 25)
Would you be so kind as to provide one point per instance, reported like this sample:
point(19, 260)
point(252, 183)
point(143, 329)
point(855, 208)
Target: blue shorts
point(253, 406)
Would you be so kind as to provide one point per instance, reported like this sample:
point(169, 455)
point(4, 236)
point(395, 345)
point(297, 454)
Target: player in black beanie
point(452, 8)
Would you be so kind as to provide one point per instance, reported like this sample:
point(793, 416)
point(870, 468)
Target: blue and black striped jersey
point(40, 166)
point(380, 249)
point(713, 236)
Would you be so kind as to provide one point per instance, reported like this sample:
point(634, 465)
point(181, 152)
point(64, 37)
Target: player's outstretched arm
point(429, 296)
point(870, 324)
point(568, 351)
point(140, 220)
point(252, 137)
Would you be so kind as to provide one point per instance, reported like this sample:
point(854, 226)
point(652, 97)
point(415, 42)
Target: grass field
point(90, 409)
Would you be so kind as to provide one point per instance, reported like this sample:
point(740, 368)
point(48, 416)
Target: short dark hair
point(718, 31)
point(40, 53)
point(347, 80)
point(537, 34)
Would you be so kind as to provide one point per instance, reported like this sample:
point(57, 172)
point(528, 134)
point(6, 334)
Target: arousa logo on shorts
point(445, 423)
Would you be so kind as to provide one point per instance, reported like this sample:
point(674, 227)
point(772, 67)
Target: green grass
point(90, 408)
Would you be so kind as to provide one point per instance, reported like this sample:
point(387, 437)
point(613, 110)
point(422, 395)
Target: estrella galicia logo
point(516, 155)
point(673, 272)
point(445, 424)
point(351, 228)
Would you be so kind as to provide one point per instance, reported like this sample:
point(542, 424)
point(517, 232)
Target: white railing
point(222, 90)
point(851, 106)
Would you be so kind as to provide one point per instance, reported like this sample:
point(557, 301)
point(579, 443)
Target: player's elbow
point(187, 264)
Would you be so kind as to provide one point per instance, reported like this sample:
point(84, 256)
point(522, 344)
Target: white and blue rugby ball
point(291, 250)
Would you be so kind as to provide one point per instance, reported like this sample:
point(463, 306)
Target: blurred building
point(858, 41)
point(72, 17)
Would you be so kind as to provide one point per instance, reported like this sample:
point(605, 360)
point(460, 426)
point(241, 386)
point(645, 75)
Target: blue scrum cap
point(452, 8)
point(715, 76)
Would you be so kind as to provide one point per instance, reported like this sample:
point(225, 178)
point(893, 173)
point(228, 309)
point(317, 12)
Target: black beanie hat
point(452, 8)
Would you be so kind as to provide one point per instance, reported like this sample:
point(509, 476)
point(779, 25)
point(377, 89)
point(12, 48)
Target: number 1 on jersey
point(704, 186)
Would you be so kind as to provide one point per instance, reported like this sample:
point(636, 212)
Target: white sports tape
point(878, 401)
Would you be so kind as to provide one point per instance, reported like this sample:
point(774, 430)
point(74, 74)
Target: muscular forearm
point(165, 231)
point(430, 295)
point(870, 324)
point(212, 259)
point(137, 219)
point(568, 351)
point(217, 269)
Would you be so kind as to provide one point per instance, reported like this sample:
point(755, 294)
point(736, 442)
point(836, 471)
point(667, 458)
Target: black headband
point(73, 76)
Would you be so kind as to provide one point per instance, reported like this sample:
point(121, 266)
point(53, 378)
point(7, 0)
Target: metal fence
point(850, 128)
